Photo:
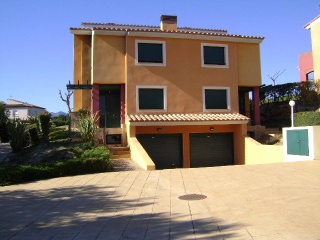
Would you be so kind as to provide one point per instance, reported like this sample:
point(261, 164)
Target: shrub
point(24, 173)
point(33, 132)
point(4, 135)
point(88, 127)
point(306, 119)
point(61, 120)
point(98, 153)
point(58, 134)
point(45, 125)
point(17, 133)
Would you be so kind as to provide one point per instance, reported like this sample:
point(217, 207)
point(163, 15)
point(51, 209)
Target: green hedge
point(25, 173)
point(90, 161)
point(306, 119)
point(58, 134)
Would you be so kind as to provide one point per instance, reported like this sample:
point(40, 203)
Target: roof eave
point(185, 123)
point(123, 32)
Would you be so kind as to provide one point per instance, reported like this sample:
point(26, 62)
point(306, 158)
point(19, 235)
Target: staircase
point(119, 152)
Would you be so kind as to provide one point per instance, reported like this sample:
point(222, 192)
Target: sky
point(36, 46)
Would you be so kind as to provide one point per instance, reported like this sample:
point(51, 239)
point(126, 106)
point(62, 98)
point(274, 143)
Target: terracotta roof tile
point(146, 28)
point(191, 117)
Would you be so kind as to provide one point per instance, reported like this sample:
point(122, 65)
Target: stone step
point(119, 152)
point(118, 156)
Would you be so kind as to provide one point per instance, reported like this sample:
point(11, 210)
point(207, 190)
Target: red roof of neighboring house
point(187, 118)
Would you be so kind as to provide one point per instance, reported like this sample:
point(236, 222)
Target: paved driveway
point(273, 201)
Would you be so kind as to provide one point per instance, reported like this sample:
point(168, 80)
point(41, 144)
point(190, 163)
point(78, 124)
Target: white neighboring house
point(22, 110)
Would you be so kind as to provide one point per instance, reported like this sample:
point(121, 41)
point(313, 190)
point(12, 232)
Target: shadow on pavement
point(96, 212)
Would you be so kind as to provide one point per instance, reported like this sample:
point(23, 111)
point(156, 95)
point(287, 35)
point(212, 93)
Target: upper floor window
point(150, 53)
point(152, 98)
point(216, 99)
point(214, 55)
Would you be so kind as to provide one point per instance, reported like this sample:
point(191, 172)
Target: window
point(216, 99)
point(151, 98)
point(15, 113)
point(150, 53)
point(214, 55)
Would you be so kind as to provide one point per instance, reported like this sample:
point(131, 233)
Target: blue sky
point(36, 47)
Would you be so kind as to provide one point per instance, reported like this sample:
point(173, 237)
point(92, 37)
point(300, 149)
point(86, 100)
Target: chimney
point(168, 23)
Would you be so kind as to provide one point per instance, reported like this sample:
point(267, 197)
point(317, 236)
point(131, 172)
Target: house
point(309, 62)
point(22, 110)
point(177, 96)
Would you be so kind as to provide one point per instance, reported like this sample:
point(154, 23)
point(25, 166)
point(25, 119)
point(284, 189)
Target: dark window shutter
point(150, 53)
point(150, 98)
point(214, 55)
point(216, 99)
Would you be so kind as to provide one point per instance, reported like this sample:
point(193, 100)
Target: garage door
point(211, 149)
point(165, 150)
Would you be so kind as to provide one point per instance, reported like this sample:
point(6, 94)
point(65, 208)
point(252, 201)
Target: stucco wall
point(315, 38)
point(82, 70)
point(108, 59)
point(183, 75)
point(257, 153)
point(305, 65)
point(249, 64)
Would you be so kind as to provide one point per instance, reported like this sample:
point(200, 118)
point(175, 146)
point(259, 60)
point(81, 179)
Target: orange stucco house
point(178, 97)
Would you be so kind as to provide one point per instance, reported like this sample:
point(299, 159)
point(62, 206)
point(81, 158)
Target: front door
point(110, 107)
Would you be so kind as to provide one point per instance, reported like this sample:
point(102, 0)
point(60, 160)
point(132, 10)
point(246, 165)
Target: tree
point(66, 99)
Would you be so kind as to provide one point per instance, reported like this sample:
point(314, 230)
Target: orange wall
point(183, 74)
point(238, 130)
point(82, 70)
point(108, 59)
point(249, 66)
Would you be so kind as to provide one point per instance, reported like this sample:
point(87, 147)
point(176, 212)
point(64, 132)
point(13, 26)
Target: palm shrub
point(17, 133)
point(88, 127)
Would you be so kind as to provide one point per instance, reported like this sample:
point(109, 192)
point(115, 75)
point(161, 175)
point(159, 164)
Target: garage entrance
point(211, 149)
point(165, 150)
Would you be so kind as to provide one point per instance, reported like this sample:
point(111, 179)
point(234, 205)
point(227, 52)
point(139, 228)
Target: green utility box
point(301, 143)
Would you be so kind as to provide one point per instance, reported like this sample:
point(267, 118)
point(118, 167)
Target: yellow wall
point(82, 70)
point(249, 66)
point(315, 39)
point(183, 74)
point(108, 59)
point(256, 153)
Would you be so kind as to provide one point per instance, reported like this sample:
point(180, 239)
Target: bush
point(98, 153)
point(24, 173)
point(88, 126)
point(33, 132)
point(45, 125)
point(17, 134)
point(58, 134)
point(61, 120)
point(306, 119)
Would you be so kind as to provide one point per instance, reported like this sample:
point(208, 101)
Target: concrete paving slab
point(273, 201)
